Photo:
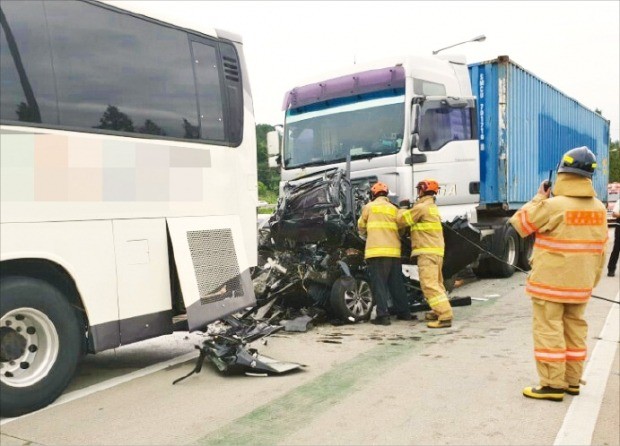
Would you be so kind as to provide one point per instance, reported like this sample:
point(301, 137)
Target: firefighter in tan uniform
point(427, 245)
point(378, 224)
point(568, 258)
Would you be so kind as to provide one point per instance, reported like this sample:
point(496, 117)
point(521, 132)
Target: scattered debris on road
point(226, 346)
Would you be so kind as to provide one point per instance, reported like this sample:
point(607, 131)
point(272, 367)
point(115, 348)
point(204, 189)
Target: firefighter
point(567, 262)
point(615, 251)
point(427, 245)
point(378, 224)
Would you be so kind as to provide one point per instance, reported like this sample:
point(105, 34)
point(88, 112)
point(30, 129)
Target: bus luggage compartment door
point(213, 267)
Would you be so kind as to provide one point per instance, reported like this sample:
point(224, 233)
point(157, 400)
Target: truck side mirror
point(273, 143)
point(274, 161)
point(273, 148)
point(415, 126)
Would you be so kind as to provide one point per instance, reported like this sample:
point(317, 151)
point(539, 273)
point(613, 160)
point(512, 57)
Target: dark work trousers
point(613, 258)
point(386, 279)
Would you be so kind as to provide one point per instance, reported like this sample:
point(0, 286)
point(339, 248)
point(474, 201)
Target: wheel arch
point(49, 271)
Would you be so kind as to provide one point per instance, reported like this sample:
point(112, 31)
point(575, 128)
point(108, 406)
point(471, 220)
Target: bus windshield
point(326, 133)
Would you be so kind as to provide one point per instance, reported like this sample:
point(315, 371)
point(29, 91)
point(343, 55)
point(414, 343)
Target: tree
point(268, 177)
point(151, 128)
point(114, 119)
point(26, 113)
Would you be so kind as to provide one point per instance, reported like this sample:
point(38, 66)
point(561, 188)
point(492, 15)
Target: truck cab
point(399, 121)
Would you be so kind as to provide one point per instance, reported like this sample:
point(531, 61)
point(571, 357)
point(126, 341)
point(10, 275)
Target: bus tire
point(40, 344)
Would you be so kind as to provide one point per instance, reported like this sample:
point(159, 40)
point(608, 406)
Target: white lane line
point(81, 393)
point(581, 417)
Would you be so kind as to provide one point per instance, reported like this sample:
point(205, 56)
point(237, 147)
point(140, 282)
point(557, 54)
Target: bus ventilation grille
point(231, 68)
point(215, 264)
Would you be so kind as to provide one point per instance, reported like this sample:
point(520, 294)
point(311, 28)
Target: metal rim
point(29, 347)
point(359, 302)
point(511, 250)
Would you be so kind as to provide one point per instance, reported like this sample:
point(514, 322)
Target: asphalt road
point(361, 384)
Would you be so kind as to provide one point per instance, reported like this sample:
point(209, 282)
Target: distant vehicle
point(128, 185)
point(489, 133)
point(613, 195)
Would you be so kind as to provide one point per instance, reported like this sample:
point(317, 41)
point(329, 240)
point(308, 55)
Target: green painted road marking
point(270, 423)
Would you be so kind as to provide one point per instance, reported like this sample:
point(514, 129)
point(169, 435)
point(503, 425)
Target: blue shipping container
point(525, 125)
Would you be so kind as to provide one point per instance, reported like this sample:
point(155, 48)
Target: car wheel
point(351, 298)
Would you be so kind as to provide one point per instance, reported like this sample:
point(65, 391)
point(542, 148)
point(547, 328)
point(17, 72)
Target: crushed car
point(311, 269)
point(311, 258)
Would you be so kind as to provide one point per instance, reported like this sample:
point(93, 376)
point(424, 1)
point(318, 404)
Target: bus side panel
point(145, 305)
point(213, 266)
point(85, 249)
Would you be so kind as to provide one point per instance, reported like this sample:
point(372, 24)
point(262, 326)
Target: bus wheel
point(40, 344)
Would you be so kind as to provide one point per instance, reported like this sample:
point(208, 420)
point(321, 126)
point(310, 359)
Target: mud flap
point(212, 266)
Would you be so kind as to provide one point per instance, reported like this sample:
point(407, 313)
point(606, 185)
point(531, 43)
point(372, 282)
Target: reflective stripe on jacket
point(378, 223)
point(571, 233)
point(424, 222)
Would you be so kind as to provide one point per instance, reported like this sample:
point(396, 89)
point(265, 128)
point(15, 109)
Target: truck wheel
point(506, 247)
point(525, 252)
point(40, 344)
point(351, 298)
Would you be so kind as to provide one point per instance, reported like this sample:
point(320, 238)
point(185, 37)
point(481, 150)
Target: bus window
point(25, 65)
point(209, 91)
point(133, 85)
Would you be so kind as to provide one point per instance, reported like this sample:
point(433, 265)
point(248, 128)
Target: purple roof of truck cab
point(351, 84)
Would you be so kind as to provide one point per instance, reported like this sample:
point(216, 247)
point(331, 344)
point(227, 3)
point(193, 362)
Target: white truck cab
point(400, 120)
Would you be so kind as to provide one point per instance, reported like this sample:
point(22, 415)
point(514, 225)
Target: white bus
point(128, 185)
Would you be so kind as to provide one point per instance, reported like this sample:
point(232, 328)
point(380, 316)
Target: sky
point(572, 45)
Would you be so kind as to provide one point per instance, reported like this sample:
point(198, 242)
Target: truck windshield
point(325, 133)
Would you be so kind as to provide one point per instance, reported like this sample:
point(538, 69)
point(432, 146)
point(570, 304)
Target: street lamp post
point(480, 38)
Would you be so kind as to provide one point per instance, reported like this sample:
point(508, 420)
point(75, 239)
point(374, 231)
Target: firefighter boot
point(544, 393)
point(381, 320)
point(573, 390)
point(446, 323)
point(431, 316)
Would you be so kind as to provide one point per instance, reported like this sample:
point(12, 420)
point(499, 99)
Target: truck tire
point(506, 247)
point(351, 298)
point(40, 344)
point(525, 252)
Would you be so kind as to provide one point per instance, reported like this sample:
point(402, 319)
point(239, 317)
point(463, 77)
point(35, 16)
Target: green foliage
point(614, 162)
point(268, 177)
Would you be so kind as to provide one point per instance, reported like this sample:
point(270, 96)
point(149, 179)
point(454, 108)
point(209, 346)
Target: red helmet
point(378, 187)
point(428, 186)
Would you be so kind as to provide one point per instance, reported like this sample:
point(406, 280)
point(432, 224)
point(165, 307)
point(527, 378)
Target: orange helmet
point(378, 187)
point(428, 186)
